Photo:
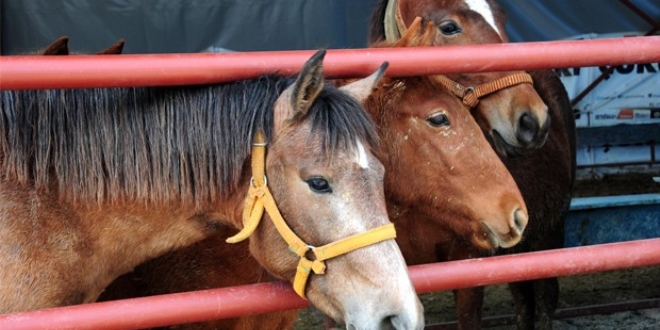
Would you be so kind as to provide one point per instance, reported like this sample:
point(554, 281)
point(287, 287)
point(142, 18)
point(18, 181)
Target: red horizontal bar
point(78, 71)
point(269, 297)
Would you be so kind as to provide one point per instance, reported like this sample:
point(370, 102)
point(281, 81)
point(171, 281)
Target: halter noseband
point(471, 95)
point(259, 199)
point(395, 28)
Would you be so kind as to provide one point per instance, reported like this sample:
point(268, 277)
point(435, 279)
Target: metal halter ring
point(265, 181)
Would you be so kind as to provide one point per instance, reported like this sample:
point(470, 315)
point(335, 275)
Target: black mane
point(153, 144)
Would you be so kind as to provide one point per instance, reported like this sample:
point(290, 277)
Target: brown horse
point(97, 181)
point(442, 176)
point(61, 47)
point(545, 176)
point(197, 267)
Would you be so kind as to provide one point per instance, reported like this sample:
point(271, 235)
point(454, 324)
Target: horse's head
point(440, 166)
point(429, 134)
point(328, 186)
point(515, 117)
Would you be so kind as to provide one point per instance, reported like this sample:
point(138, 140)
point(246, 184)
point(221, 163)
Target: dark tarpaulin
point(174, 26)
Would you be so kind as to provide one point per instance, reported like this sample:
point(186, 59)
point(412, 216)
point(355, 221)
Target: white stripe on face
point(362, 158)
point(481, 7)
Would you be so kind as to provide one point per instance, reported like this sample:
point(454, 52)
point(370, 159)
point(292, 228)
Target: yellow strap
point(253, 210)
point(296, 245)
point(328, 251)
point(355, 242)
point(253, 206)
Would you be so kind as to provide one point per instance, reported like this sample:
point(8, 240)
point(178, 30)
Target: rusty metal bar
point(269, 297)
point(79, 71)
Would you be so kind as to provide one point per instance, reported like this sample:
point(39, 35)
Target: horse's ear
point(309, 84)
point(296, 100)
point(58, 47)
point(428, 38)
point(361, 89)
point(411, 37)
point(392, 21)
point(114, 49)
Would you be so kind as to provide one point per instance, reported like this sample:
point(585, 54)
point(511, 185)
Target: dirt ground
point(576, 291)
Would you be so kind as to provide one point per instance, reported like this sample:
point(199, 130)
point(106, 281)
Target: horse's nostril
point(400, 322)
point(528, 128)
point(519, 221)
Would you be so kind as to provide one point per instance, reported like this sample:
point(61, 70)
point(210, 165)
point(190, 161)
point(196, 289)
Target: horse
point(61, 47)
point(96, 181)
point(196, 267)
point(544, 174)
point(441, 176)
point(506, 104)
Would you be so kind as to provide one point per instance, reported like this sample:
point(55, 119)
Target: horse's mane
point(153, 144)
point(376, 25)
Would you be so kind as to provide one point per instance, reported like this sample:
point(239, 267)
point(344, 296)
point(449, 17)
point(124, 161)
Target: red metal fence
point(31, 72)
point(269, 297)
point(75, 71)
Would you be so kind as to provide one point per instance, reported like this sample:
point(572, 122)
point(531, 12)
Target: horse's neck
point(128, 236)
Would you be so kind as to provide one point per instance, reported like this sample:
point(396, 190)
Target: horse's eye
point(449, 28)
point(319, 185)
point(438, 120)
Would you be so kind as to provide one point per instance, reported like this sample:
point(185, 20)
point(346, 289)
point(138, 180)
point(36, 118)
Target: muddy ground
point(576, 291)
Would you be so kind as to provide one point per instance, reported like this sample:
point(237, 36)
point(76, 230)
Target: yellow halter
point(260, 198)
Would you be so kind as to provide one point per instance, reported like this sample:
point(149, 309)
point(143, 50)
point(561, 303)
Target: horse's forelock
point(341, 121)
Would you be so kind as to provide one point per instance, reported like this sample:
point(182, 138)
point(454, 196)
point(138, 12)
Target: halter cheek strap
point(259, 199)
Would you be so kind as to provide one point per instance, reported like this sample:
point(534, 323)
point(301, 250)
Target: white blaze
point(481, 7)
point(362, 159)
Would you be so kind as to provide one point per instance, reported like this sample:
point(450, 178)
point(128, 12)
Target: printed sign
point(630, 94)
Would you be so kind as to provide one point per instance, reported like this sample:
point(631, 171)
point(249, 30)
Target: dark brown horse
point(515, 118)
point(97, 181)
point(442, 176)
point(545, 176)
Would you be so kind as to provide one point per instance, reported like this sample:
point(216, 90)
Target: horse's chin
point(505, 149)
point(485, 242)
point(326, 304)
